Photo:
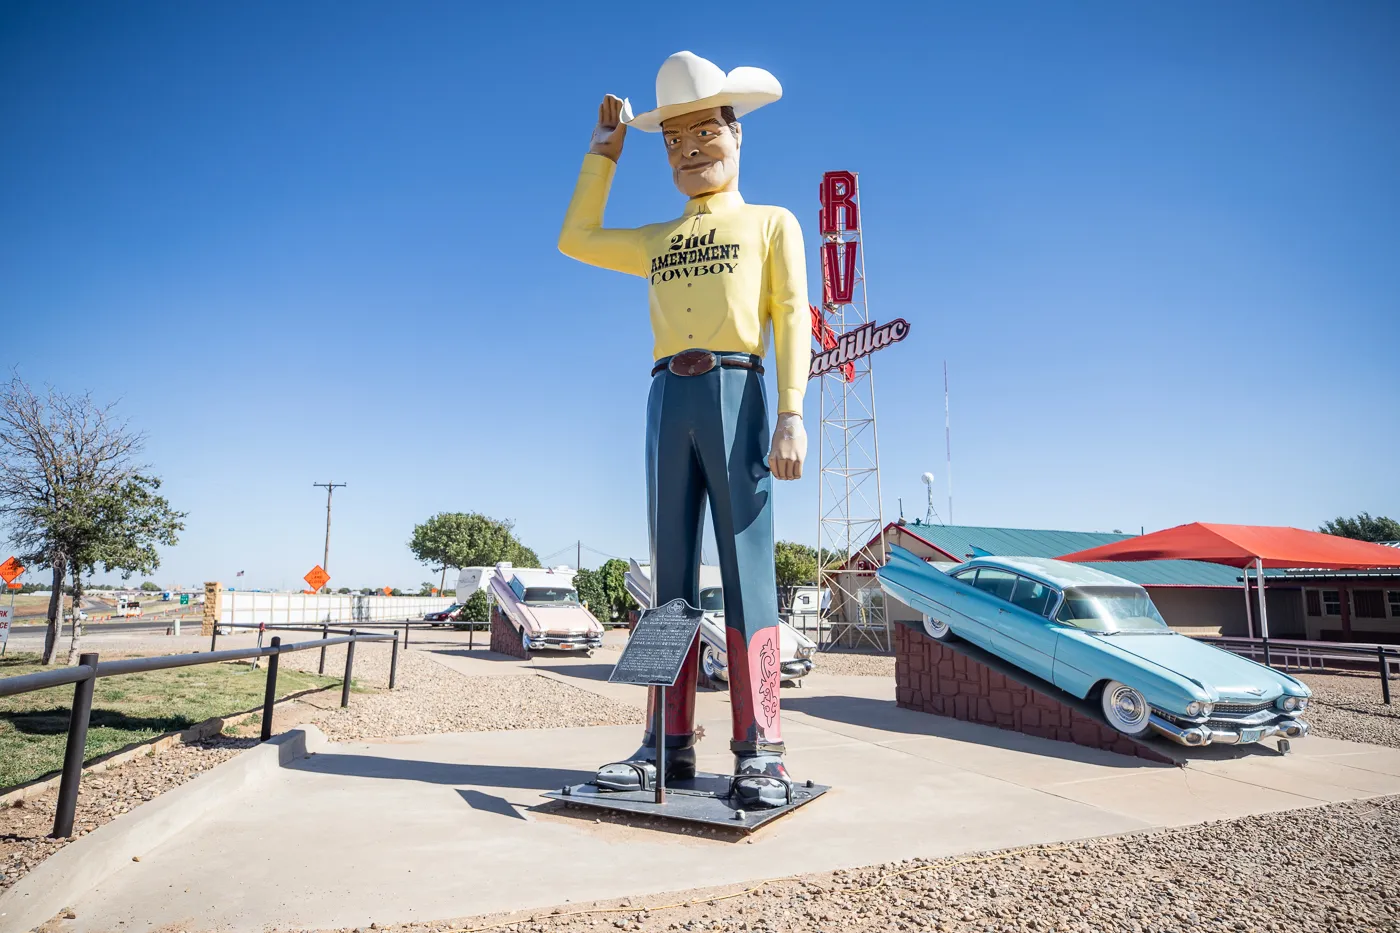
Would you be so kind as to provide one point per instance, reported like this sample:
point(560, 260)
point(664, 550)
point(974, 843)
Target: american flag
point(240, 573)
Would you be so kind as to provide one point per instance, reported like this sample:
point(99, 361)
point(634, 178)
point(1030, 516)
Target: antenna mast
point(947, 444)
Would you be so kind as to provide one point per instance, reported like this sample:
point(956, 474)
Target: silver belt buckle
point(693, 362)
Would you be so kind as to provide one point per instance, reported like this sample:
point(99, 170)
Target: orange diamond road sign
point(316, 577)
point(10, 569)
point(388, 591)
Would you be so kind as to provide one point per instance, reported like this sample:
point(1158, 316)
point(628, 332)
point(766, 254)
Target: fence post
point(214, 636)
point(405, 633)
point(349, 669)
point(270, 696)
point(73, 754)
point(1385, 673)
point(325, 633)
point(394, 661)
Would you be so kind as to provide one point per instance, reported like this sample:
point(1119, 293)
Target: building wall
point(1194, 610)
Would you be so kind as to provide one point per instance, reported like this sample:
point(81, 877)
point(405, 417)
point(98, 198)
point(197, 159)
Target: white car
point(797, 649)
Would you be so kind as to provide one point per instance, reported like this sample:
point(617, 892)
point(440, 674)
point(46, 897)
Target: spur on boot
point(639, 771)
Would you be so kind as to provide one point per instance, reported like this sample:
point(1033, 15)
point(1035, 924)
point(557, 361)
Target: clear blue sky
point(1158, 245)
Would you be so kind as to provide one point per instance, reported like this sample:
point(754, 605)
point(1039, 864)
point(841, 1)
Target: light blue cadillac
point(1099, 637)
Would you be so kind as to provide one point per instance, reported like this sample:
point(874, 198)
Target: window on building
point(1331, 602)
point(1314, 602)
point(1394, 603)
point(1369, 604)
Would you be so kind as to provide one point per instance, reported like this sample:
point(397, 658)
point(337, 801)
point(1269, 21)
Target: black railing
point(85, 673)
point(1311, 655)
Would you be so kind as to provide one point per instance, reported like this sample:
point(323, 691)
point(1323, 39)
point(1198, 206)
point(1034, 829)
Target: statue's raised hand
point(610, 131)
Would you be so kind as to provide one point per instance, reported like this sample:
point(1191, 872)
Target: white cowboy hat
point(687, 83)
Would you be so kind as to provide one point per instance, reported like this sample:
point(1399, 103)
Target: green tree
point(613, 576)
point(426, 589)
point(467, 539)
point(344, 591)
point(477, 608)
point(796, 565)
point(395, 591)
point(1363, 528)
point(148, 587)
point(72, 494)
point(589, 585)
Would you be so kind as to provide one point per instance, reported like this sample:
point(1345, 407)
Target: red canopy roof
point(1239, 545)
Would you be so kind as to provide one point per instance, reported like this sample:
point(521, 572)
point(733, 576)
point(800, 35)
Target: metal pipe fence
point(88, 669)
point(1314, 655)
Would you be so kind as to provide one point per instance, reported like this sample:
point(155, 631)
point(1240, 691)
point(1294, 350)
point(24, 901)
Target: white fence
point(246, 608)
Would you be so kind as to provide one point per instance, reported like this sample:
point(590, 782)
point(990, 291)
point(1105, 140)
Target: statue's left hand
point(789, 447)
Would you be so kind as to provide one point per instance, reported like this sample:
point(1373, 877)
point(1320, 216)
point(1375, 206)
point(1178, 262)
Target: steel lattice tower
point(850, 514)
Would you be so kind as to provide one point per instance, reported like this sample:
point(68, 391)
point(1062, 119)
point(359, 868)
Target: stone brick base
point(505, 638)
point(961, 681)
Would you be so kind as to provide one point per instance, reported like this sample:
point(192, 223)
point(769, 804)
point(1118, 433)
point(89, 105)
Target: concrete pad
point(1324, 779)
point(438, 826)
point(1179, 796)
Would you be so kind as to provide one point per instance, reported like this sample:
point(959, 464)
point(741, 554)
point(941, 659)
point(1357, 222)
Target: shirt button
point(688, 284)
point(689, 336)
point(687, 309)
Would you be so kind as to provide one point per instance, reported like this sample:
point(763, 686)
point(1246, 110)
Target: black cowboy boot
point(760, 779)
point(638, 772)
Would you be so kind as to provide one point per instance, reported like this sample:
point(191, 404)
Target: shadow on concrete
point(438, 772)
point(886, 716)
point(490, 803)
point(479, 654)
point(600, 672)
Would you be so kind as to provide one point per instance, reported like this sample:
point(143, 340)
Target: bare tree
point(70, 488)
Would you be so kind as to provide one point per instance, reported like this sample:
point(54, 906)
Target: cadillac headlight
point(805, 652)
point(1288, 704)
point(1193, 709)
point(1302, 703)
point(1207, 709)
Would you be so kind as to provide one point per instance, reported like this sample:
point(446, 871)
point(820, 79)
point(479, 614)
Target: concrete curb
point(90, 860)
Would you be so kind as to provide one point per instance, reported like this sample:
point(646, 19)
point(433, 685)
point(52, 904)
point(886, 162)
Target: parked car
point(1099, 637)
point(795, 650)
point(543, 607)
point(451, 614)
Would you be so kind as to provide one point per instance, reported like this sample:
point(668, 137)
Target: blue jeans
point(707, 440)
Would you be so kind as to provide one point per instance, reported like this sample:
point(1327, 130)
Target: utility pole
point(330, 489)
point(578, 555)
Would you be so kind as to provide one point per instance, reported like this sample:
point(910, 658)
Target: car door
point(990, 604)
point(1026, 631)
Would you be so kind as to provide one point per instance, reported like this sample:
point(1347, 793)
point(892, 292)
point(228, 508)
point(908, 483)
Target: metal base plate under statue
point(653, 658)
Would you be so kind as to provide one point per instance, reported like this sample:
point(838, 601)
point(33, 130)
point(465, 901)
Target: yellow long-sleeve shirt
point(719, 274)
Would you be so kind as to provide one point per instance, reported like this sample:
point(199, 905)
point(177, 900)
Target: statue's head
point(703, 147)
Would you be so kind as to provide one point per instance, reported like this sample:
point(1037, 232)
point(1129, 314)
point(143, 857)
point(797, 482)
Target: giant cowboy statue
point(720, 276)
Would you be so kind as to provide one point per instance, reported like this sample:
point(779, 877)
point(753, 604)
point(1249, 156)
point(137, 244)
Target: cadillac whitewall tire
point(710, 665)
point(524, 640)
point(1125, 709)
point(937, 629)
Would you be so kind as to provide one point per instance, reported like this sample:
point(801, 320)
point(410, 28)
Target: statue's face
point(704, 152)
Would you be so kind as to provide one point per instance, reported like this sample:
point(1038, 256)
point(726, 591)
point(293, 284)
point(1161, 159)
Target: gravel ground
point(853, 664)
point(428, 698)
point(1236, 875)
point(1348, 706)
point(102, 796)
point(432, 698)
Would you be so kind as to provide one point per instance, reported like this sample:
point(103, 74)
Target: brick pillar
point(948, 679)
point(505, 638)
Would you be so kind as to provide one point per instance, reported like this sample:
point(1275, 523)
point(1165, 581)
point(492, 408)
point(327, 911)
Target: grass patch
point(127, 709)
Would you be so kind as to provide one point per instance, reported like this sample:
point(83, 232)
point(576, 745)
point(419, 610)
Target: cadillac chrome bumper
point(1212, 733)
point(566, 642)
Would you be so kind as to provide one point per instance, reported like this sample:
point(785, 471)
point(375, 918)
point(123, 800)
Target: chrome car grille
point(1241, 709)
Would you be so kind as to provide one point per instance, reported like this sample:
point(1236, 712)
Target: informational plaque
point(658, 646)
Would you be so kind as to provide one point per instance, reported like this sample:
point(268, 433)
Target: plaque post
point(659, 729)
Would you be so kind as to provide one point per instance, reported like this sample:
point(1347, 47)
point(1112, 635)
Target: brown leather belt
point(699, 362)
